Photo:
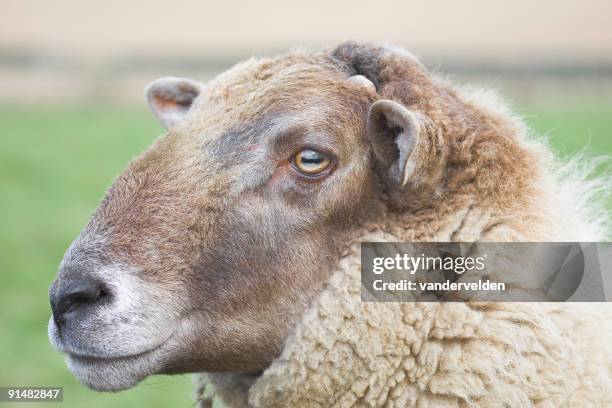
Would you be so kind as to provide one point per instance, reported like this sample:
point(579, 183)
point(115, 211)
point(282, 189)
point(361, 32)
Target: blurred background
point(72, 113)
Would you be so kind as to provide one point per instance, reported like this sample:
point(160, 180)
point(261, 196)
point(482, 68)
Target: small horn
point(363, 82)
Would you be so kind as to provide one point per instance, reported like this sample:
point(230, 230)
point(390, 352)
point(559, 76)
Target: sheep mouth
point(103, 370)
point(93, 349)
point(97, 359)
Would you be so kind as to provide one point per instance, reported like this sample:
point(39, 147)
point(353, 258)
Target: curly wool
point(347, 353)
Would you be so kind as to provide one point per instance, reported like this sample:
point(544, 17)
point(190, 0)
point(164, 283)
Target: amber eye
point(310, 162)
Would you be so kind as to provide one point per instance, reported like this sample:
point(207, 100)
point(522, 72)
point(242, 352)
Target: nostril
point(76, 295)
point(78, 298)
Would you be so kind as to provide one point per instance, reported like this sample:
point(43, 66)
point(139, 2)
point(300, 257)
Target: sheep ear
point(394, 133)
point(171, 98)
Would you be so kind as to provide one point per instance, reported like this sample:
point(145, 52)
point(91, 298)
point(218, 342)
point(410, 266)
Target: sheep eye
point(310, 162)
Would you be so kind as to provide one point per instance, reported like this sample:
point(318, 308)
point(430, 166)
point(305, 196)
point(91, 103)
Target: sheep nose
point(76, 297)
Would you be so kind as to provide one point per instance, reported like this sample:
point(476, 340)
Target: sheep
point(231, 246)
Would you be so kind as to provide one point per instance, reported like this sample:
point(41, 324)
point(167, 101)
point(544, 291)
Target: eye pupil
point(311, 162)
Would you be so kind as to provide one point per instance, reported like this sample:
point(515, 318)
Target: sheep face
point(208, 248)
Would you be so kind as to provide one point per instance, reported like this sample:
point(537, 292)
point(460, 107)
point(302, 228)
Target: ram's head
point(209, 247)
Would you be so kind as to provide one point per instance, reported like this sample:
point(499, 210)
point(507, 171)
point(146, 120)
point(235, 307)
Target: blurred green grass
point(55, 164)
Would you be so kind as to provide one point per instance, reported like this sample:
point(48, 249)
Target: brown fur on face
point(215, 221)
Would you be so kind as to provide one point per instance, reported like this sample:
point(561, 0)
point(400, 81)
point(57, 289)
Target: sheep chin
point(113, 374)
